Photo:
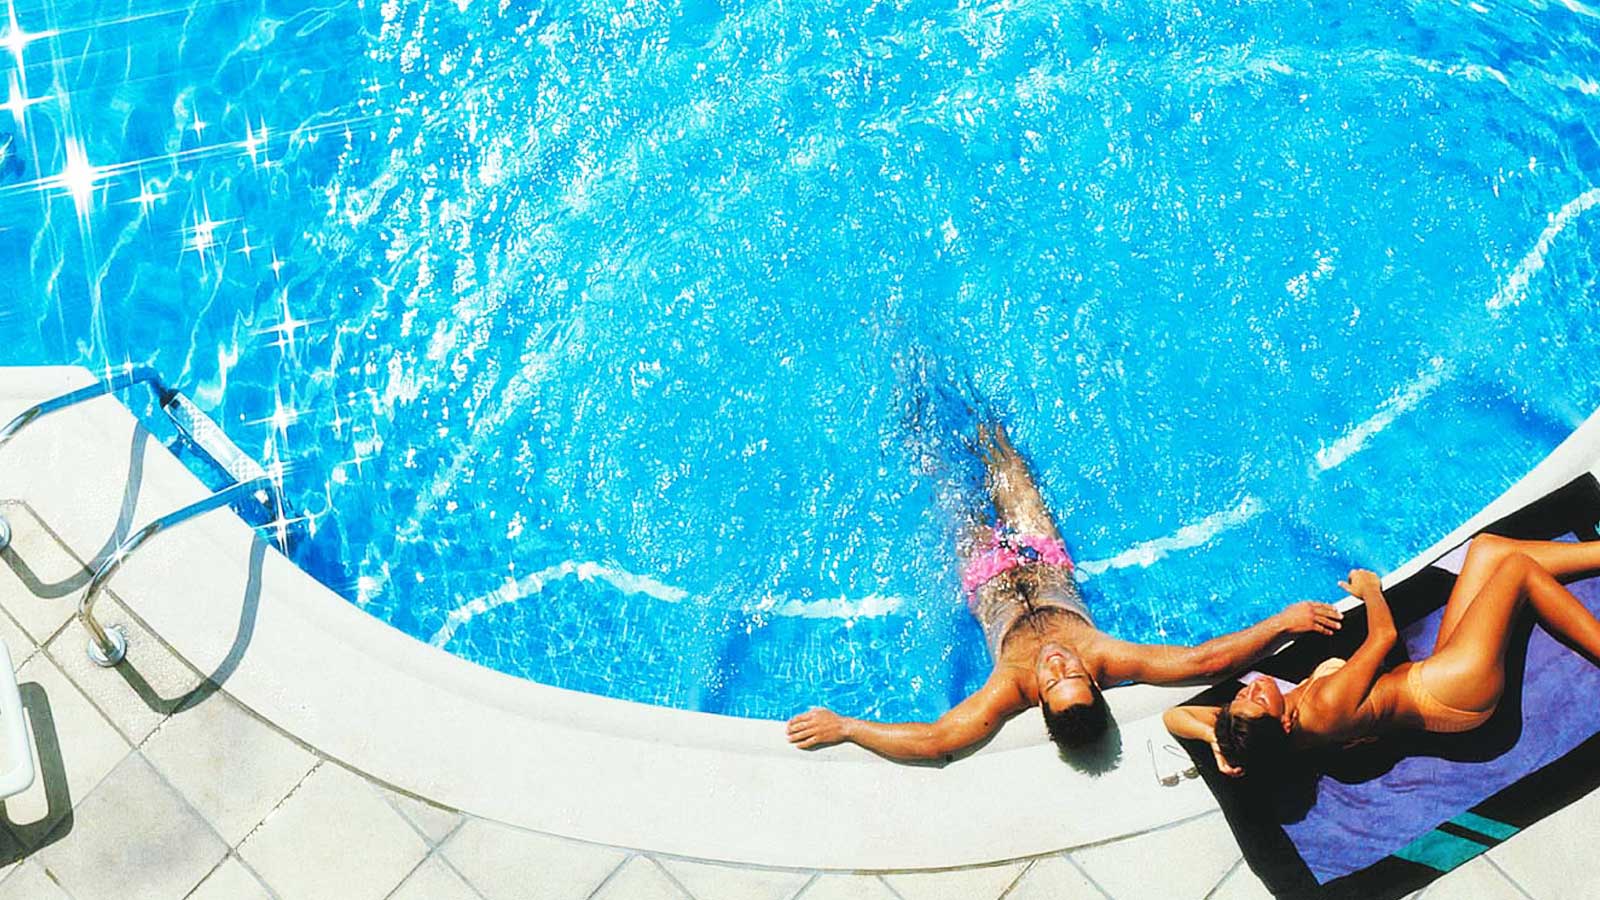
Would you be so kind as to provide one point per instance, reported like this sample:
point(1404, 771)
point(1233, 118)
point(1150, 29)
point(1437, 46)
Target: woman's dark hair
point(1080, 723)
point(1252, 743)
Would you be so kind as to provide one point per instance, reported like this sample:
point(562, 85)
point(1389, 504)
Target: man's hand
point(1307, 616)
point(818, 727)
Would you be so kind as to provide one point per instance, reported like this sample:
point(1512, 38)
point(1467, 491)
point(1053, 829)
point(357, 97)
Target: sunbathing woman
point(1455, 689)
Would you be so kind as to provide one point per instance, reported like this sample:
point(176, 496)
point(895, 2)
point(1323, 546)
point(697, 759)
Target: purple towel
point(1352, 826)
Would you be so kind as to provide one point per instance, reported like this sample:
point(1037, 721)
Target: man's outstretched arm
point(974, 719)
point(1162, 664)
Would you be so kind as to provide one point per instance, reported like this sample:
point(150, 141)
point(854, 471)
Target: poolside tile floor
point(712, 881)
point(847, 887)
point(231, 880)
point(640, 878)
point(434, 880)
point(156, 784)
point(133, 829)
point(304, 847)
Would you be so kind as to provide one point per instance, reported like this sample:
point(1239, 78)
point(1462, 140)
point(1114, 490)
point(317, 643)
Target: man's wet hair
point(1080, 724)
point(1253, 743)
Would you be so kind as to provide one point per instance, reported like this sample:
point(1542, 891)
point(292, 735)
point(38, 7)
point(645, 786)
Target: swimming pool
point(625, 346)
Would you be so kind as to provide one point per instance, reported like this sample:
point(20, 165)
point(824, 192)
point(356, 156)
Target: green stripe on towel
point(1439, 850)
point(1485, 826)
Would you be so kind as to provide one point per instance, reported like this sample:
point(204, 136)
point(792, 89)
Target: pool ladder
point(108, 646)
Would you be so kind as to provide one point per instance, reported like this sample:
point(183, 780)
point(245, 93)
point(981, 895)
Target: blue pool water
point(625, 345)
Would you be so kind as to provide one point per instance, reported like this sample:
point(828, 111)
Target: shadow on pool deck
point(29, 837)
point(119, 531)
point(213, 682)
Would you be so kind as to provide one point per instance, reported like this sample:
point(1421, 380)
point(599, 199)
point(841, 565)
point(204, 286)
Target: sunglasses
point(1188, 771)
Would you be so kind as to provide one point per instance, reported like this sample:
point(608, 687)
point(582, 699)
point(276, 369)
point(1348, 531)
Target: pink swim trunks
point(1004, 550)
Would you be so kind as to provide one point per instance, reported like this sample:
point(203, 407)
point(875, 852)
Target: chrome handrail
point(107, 646)
point(127, 378)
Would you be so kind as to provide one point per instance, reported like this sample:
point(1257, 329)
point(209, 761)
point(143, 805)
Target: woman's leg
point(1561, 559)
point(1468, 670)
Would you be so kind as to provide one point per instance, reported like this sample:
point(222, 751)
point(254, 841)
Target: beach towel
point(1383, 819)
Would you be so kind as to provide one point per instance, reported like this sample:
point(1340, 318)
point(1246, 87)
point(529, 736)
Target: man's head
point(1075, 712)
point(1253, 728)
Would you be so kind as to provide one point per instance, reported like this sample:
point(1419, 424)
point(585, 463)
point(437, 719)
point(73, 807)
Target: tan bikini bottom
point(1438, 716)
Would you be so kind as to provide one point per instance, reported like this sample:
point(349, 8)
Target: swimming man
point(1046, 649)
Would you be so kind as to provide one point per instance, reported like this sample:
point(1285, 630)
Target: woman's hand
point(1223, 766)
point(1362, 583)
point(818, 727)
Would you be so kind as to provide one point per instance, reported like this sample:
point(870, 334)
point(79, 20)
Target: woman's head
point(1252, 730)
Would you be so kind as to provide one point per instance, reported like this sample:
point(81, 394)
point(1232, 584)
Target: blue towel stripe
point(1440, 850)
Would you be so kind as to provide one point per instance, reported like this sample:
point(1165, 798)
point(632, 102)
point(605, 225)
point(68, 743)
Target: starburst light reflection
point(201, 237)
point(287, 324)
point(147, 198)
point(246, 248)
point(17, 102)
point(79, 177)
point(280, 419)
point(15, 38)
point(255, 142)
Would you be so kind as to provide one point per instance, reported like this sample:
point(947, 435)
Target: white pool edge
point(582, 766)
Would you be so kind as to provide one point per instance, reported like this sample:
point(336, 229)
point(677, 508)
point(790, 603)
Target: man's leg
point(1016, 498)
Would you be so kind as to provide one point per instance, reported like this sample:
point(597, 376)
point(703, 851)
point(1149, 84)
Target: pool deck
point(265, 739)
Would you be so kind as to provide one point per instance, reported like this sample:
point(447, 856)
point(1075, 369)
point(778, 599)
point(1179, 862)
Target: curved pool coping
point(563, 762)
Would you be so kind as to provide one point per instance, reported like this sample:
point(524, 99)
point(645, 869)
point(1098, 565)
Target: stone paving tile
point(29, 882)
point(74, 748)
point(847, 887)
point(1194, 856)
point(232, 766)
point(140, 692)
point(305, 848)
point(433, 880)
point(640, 879)
point(435, 822)
point(133, 837)
point(711, 881)
point(1054, 878)
point(39, 580)
point(510, 864)
point(986, 883)
point(230, 881)
point(1473, 880)
point(1542, 859)
point(1241, 884)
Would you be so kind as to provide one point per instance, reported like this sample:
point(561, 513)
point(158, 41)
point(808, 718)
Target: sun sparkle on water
point(79, 176)
point(16, 39)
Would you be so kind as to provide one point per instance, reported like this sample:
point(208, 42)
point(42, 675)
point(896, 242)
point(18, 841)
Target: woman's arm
point(1334, 701)
point(972, 720)
point(1199, 723)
